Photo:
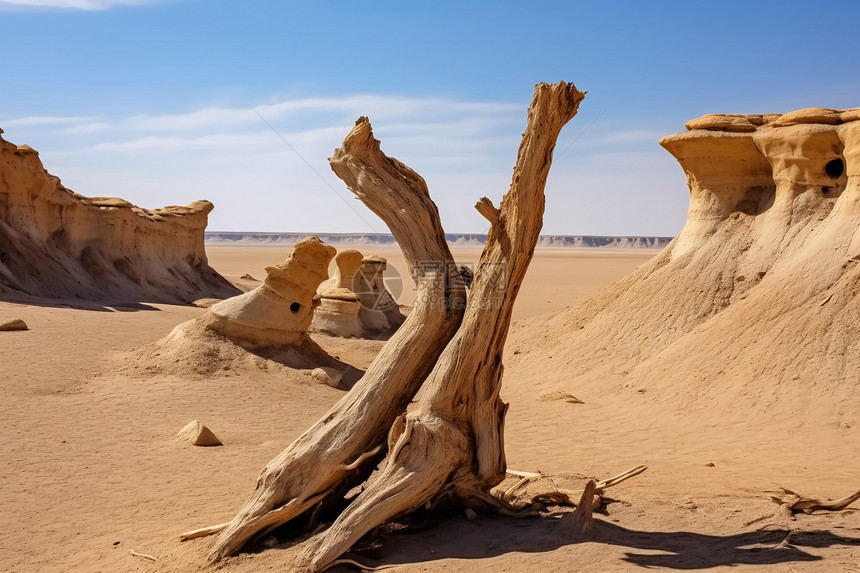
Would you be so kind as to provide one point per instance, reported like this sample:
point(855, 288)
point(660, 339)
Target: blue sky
point(160, 102)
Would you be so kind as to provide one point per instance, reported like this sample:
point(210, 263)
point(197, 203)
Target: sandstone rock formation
point(277, 313)
point(55, 243)
point(355, 301)
point(379, 310)
point(328, 376)
point(339, 305)
point(755, 303)
point(264, 329)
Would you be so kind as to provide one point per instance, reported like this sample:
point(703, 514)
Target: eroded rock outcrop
point(277, 313)
point(55, 243)
point(339, 305)
point(379, 310)
point(263, 329)
point(355, 301)
point(756, 301)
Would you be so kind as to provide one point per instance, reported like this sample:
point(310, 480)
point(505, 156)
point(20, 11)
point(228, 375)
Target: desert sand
point(91, 468)
point(726, 363)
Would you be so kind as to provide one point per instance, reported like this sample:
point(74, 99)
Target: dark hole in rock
point(834, 167)
point(295, 307)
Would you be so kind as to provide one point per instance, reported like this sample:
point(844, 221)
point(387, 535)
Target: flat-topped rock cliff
point(56, 244)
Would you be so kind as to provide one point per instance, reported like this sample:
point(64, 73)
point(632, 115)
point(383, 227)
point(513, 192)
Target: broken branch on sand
point(144, 555)
point(796, 503)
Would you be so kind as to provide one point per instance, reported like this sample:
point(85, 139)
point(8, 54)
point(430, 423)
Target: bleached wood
point(581, 519)
point(144, 555)
point(203, 531)
point(518, 473)
point(615, 480)
point(321, 465)
point(451, 447)
point(795, 502)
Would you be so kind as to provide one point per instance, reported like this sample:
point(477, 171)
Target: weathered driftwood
point(566, 497)
point(581, 519)
point(795, 502)
point(342, 448)
point(450, 449)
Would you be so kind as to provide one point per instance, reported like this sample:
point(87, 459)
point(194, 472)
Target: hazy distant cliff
point(460, 240)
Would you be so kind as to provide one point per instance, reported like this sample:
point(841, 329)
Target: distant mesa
point(56, 244)
point(752, 312)
point(454, 239)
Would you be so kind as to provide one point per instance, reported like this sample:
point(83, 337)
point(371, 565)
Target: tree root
point(566, 497)
point(796, 503)
point(581, 519)
point(337, 562)
point(413, 473)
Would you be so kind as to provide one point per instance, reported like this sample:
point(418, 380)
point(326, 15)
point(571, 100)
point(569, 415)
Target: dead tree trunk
point(341, 449)
point(451, 448)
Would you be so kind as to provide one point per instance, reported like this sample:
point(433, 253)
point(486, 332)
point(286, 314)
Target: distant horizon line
point(374, 234)
point(455, 239)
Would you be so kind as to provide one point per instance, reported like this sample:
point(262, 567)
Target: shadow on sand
point(81, 304)
point(459, 539)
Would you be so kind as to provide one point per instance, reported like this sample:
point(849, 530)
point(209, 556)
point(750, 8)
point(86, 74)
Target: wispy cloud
point(230, 142)
point(632, 136)
point(378, 108)
point(226, 153)
point(76, 4)
point(88, 127)
point(44, 120)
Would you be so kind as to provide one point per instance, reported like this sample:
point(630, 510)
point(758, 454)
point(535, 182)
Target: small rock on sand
point(559, 395)
point(328, 376)
point(16, 324)
point(197, 434)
